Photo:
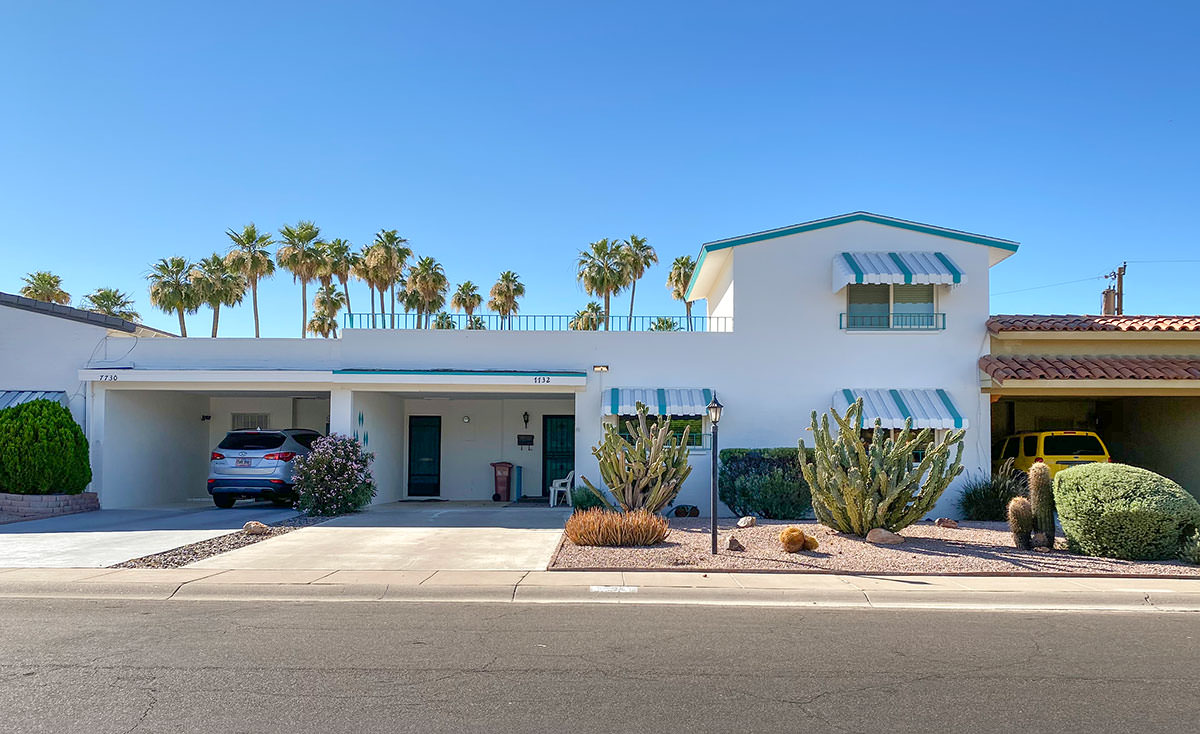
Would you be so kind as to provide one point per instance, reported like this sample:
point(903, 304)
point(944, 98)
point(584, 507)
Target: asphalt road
point(94, 666)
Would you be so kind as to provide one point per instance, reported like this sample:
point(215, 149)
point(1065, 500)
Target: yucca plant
point(859, 486)
point(644, 471)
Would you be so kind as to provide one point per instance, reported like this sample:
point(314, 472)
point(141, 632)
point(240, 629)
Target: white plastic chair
point(562, 485)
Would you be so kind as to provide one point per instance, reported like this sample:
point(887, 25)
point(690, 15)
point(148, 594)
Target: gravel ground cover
point(183, 555)
point(982, 548)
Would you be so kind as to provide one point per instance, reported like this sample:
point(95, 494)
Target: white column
point(342, 418)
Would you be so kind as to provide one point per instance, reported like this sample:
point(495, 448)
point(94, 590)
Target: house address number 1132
point(541, 380)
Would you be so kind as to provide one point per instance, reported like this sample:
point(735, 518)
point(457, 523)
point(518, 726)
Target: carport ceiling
point(254, 393)
point(482, 396)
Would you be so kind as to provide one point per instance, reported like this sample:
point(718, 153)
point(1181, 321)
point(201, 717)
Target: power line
point(1051, 285)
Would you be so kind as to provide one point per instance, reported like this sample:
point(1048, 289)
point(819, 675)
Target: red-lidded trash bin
point(503, 471)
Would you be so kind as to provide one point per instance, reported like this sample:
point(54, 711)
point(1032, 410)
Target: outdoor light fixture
point(466, 419)
point(714, 415)
point(599, 368)
point(525, 417)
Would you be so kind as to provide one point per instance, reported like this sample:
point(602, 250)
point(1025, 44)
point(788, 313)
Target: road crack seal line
point(145, 712)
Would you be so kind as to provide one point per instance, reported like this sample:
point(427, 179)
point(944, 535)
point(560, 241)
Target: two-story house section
point(796, 319)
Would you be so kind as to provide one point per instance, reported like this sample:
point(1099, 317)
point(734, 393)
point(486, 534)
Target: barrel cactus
point(1020, 522)
point(646, 470)
point(1041, 498)
point(859, 486)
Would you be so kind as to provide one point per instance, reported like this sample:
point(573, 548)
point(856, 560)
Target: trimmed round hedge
point(42, 450)
point(1120, 511)
point(764, 482)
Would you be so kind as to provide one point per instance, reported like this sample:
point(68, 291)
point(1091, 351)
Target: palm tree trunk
point(393, 305)
point(632, 293)
point(304, 309)
point(688, 306)
point(383, 305)
point(254, 300)
point(182, 323)
point(216, 318)
point(606, 304)
point(346, 293)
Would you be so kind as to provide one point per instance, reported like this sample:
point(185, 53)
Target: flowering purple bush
point(334, 478)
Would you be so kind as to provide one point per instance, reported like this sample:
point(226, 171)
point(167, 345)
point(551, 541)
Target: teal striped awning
point(877, 268)
point(672, 401)
point(929, 408)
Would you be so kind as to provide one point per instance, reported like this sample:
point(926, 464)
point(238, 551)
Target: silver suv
point(257, 465)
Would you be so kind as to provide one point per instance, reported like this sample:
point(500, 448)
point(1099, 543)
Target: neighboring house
point(43, 345)
point(1135, 380)
point(822, 312)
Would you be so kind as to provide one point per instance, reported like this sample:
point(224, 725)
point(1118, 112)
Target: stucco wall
point(153, 449)
point(382, 430)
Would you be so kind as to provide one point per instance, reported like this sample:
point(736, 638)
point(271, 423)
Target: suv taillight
point(216, 456)
point(280, 456)
point(1038, 460)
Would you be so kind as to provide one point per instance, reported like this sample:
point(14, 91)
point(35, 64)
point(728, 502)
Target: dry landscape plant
point(598, 526)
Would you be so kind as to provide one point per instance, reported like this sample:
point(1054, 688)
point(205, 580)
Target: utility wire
point(1051, 285)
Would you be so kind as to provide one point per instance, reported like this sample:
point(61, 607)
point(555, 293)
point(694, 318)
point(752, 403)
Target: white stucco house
point(797, 319)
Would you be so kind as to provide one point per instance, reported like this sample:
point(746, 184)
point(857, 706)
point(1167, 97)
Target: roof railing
point(534, 322)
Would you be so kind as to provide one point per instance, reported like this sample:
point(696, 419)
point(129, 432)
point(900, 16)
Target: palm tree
point(388, 256)
point(301, 256)
point(363, 271)
point(326, 304)
point(637, 257)
point(475, 323)
point(341, 262)
point(602, 272)
point(427, 279)
point(45, 286)
point(171, 290)
point(217, 285)
point(678, 280)
point(664, 323)
point(250, 257)
point(466, 298)
point(587, 318)
point(504, 296)
point(444, 321)
point(111, 302)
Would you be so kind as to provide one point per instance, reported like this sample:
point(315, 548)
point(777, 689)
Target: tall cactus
point(858, 487)
point(646, 470)
point(1041, 497)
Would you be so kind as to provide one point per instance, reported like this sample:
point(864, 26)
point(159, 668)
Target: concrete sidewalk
point(612, 587)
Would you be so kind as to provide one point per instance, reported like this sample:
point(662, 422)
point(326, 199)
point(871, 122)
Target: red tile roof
point(1087, 367)
point(998, 324)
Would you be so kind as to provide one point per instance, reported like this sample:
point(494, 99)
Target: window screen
point(867, 306)
point(250, 421)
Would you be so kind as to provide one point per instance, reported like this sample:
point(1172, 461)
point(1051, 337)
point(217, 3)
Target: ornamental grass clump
point(602, 527)
point(859, 486)
point(985, 497)
point(42, 450)
point(335, 478)
point(646, 470)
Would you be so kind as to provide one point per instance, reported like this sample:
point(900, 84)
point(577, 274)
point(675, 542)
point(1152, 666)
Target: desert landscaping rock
point(972, 548)
point(884, 537)
point(746, 522)
point(945, 522)
point(735, 544)
point(249, 534)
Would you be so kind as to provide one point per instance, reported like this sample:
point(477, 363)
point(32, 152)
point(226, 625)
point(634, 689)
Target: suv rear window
point(306, 439)
point(252, 441)
point(1072, 445)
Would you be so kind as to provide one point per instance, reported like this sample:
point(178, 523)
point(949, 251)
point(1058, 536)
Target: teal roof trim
point(771, 234)
point(478, 373)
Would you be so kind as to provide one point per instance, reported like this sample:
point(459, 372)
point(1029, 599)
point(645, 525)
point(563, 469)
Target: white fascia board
point(523, 382)
point(118, 376)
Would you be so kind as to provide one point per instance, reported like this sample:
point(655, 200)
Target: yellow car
point(1058, 449)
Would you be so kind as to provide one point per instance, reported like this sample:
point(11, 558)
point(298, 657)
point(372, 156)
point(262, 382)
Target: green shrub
point(1189, 552)
point(583, 499)
point(744, 487)
point(1120, 511)
point(335, 478)
point(985, 497)
point(42, 450)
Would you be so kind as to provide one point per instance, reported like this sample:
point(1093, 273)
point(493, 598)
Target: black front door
point(424, 455)
point(558, 449)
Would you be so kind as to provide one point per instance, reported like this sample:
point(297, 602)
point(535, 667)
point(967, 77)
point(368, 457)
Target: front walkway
point(407, 536)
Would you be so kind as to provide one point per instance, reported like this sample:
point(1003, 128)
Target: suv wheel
point(224, 501)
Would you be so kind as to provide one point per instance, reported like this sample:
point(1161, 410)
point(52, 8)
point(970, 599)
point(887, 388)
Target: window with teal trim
point(867, 306)
point(694, 424)
point(901, 307)
point(912, 306)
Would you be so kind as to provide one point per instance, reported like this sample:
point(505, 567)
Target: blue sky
point(509, 135)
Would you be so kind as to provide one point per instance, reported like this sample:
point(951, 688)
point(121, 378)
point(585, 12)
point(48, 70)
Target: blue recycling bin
point(516, 484)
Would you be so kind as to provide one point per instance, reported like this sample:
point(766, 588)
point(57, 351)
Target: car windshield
point(1072, 445)
point(251, 441)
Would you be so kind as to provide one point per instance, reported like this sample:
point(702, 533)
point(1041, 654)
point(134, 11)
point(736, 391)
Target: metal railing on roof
point(533, 322)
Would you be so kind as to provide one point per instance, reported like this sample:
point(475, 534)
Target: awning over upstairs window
point(673, 401)
point(922, 268)
point(9, 398)
point(932, 408)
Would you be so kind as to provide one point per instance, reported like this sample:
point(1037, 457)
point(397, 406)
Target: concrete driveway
point(412, 536)
point(105, 537)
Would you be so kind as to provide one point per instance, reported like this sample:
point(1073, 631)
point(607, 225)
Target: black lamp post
point(714, 416)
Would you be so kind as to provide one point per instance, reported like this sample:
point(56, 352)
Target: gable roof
point(70, 313)
point(1018, 323)
point(1008, 246)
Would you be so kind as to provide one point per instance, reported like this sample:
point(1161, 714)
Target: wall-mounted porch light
point(599, 368)
point(466, 419)
point(525, 417)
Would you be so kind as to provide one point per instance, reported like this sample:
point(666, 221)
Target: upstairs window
point(899, 307)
